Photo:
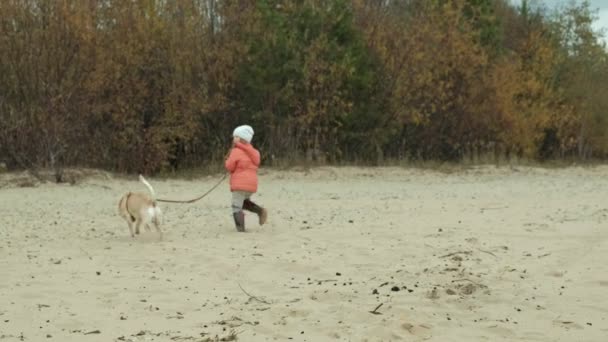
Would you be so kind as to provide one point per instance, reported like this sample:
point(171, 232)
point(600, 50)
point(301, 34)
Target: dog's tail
point(143, 180)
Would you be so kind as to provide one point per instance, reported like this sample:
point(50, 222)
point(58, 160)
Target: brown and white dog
point(138, 208)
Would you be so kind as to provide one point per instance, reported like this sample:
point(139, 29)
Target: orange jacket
point(243, 163)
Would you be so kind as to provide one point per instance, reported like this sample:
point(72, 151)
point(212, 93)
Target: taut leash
point(198, 198)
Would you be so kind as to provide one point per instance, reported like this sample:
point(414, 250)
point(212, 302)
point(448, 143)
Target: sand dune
point(483, 254)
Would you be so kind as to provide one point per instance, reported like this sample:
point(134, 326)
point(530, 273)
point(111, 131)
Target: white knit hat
point(244, 132)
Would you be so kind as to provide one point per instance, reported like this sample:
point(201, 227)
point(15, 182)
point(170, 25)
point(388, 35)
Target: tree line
point(153, 85)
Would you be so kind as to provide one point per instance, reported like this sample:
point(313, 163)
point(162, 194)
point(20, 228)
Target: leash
point(198, 198)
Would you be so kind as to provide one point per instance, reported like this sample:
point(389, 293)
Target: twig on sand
point(93, 332)
point(494, 208)
point(40, 306)
point(492, 254)
point(253, 297)
point(375, 311)
point(327, 280)
point(460, 252)
point(85, 252)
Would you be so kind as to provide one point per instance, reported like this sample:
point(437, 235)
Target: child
point(242, 163)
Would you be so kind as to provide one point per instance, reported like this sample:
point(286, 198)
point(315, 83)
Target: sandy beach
point(348, 254)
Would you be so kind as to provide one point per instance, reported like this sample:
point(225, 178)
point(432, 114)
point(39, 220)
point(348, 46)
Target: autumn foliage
point(151, 85)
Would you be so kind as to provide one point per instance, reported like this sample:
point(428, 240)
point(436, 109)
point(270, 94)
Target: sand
point(478, 254)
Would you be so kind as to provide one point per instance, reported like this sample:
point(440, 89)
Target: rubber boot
point(261, 212)
point(239, 221)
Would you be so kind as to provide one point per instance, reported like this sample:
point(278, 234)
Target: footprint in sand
point(419, 330)
point(567, 324)
point(556, 274)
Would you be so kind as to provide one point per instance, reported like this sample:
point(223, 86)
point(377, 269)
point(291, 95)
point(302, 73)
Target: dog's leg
point(157, 226)
point(157, 220)
point(137, 224)
point(130, 224)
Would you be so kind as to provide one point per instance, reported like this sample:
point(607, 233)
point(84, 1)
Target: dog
point(138, 208)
